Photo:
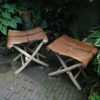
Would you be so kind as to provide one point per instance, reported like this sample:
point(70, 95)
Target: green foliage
point(92, 81)
point(94, 38)
point(58, 14)
point(8, 17)
point(94, 96)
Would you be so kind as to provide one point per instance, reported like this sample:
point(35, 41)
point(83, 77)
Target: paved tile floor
point(34, 84)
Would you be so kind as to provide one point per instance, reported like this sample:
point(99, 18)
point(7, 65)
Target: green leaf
point(0, 26)
point(92, 97)
point(13, 24)
point(6, 15)
point(95, 34)
point(96, 96)
point(5, 22)
point(98, 56)
point(97, 43)
point(7, 6)
point(93, 29)
point(4, 30)
point(17, 19)
point(89, 40)
point(12, 8)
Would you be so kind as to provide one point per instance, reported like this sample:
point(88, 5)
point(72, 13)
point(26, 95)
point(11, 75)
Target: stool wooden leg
point(74, 80)
point(84, 74)
point(30, 58)
point(22, 59)
point(17, 57)
point(69, 73)
point(60, 71)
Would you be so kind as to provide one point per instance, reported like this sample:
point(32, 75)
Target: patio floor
point(34, 84)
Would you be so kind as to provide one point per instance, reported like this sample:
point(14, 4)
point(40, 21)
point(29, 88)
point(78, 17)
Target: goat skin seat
point(18, 37)
point(74, 48)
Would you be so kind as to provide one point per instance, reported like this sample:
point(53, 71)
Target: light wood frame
point(29, 57)
point(67, 69)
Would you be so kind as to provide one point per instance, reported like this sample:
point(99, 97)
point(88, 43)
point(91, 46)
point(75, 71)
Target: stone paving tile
point(34, 84)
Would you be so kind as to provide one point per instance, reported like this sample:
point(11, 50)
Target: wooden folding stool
point(80, 51)
point(16, 37)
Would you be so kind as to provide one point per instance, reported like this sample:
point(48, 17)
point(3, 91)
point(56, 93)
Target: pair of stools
point(79, 52)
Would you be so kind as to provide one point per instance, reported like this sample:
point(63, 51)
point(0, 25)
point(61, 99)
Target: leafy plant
point(58, 14)
point(92, 81)
point(94, 96)
point(8, 17)
point(55, 15)
point(94, 38)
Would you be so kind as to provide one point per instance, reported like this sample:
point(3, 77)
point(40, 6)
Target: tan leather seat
point(18, 37)
point(68, 46)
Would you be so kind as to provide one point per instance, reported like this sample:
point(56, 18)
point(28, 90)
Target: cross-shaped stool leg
point(30, 57)
point(68, 71)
